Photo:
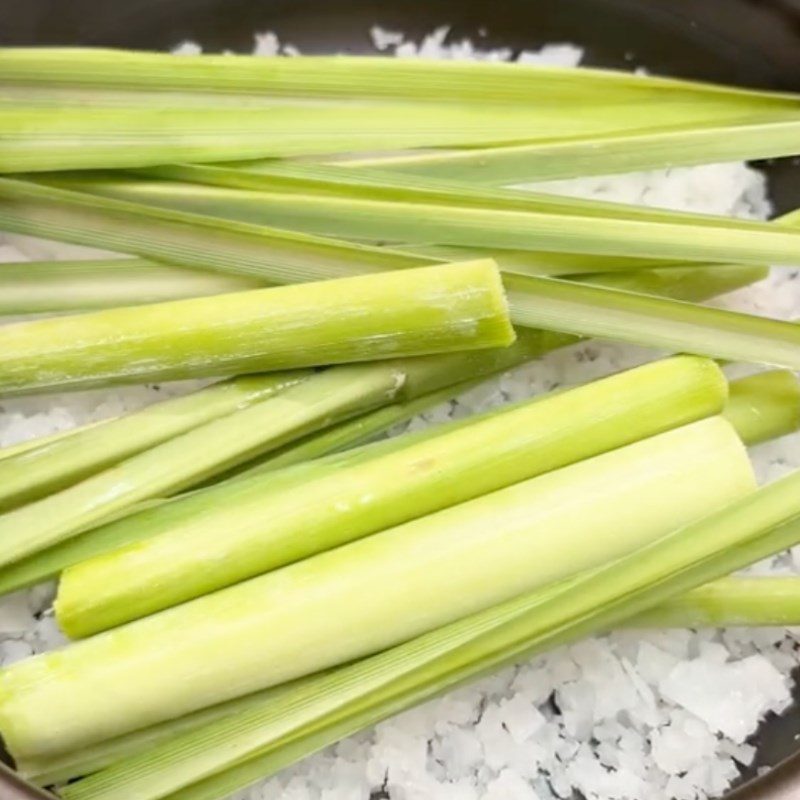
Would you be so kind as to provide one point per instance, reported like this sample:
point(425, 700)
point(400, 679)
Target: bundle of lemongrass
point(358, 577)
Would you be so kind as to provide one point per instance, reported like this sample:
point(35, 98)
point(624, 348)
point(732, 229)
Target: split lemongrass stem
point(33, 287)
point(54, 465)
point(301, 178)
point(652, 321)
point(267, 530)
point(401, 313)
point(43, 139)
point(650, 147)
point(764, 406)
point(196, 455)
point(583, 515)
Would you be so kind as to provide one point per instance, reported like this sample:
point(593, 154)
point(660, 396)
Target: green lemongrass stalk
point(583, 515)
point(32, 287)
point(445, 214)
point(764, 406)
point(606, 313)
point(689, 284)
point(650, 147)
point(728, 602)
point(42, 139)
point(280, 256)
point(267, 530)
point(402, 313)
point(731, 602)
point(68, 74)
point(282, 726)
point(196, 455)
point(54, 465)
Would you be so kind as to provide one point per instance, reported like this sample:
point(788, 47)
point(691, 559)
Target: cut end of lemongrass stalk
point(402, 313)
point(764, 406)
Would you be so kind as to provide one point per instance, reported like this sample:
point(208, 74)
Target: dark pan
point(747, 42)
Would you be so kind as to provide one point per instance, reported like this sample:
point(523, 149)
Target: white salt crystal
point(730, 698)
point(508, 786)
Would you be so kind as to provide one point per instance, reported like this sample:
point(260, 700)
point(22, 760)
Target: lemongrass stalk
point(626, 316)
point(129, 76)
point(187, 240)
point(403, 313)
point(32, 287)
point(730, 602)
point(42, 139)
point(302, 178)
point(281, 256)
point(194, 456)
point(529, 292)
point(583, 515)
point(265, 530)
point(632, 150)
point(54, 465)
point(284, 725)
point(689, 284)
point(447, 215)
point(765, 406)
